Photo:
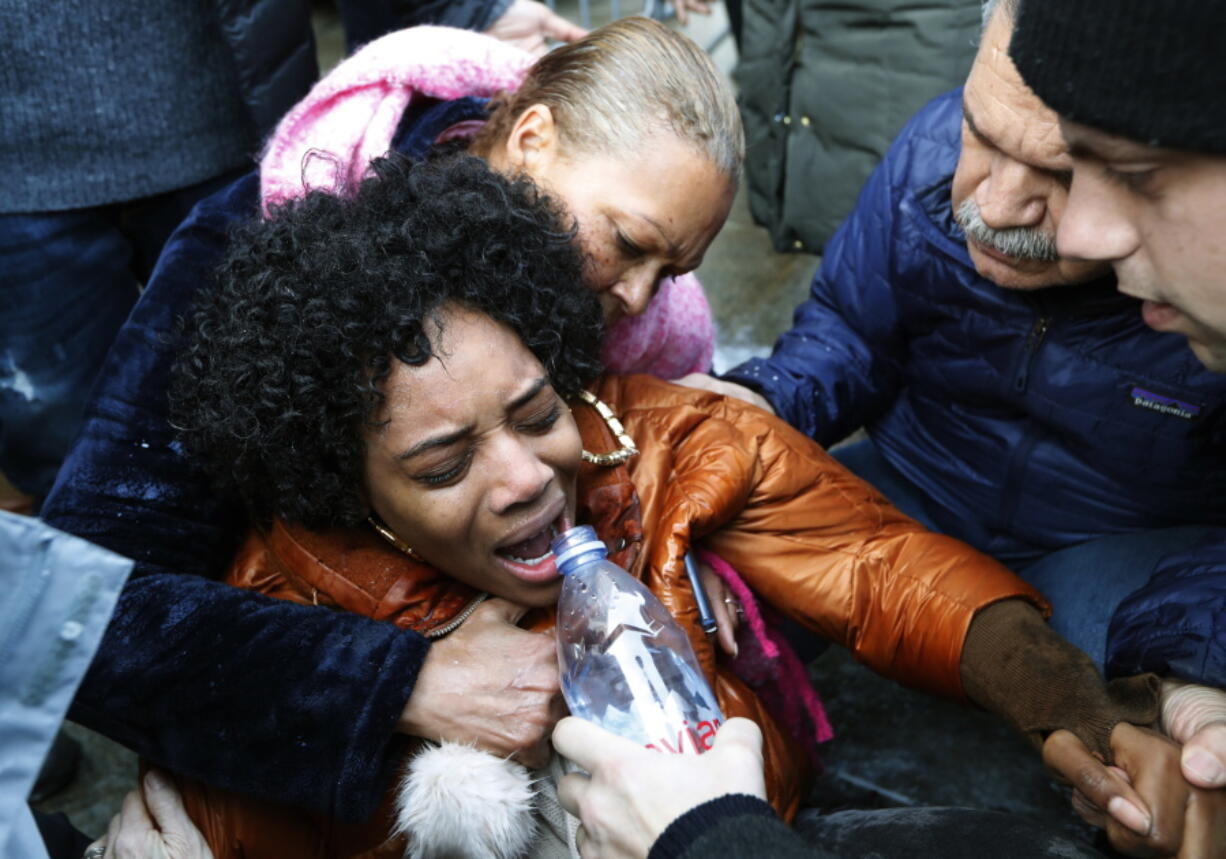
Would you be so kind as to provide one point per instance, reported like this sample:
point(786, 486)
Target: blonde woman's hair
point(612, 89)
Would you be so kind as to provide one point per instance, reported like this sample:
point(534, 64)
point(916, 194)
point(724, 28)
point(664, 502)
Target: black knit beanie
point(1150, 70)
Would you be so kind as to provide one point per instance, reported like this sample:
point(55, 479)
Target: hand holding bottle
point(632, 794)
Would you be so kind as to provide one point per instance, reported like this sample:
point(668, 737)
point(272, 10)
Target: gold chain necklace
point(627, 448)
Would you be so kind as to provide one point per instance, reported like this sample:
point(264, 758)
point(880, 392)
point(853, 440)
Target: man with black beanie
point(1140, 87)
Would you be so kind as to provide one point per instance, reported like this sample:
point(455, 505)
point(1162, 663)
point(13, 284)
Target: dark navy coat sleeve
point(1176, 624)
point(837, 367)
point(292, 703)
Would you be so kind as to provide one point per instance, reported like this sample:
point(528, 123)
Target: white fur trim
point(457, 801)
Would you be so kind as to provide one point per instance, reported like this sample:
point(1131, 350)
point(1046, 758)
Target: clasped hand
point(489, 683)
point(633, 794)
point(1164, 795)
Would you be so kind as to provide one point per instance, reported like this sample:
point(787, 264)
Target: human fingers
point(1203, 760)
point(705, 382)
point(723, 608)
point(1204, 830)
point(1068, 757)
point(1152, 762)
point(163, 802)
point(606, 830)
point(134, 811)
point(627, 785)
point(701, 381)
point(571, 788)
point(1188, 707)
point(557, 27)
point(583, 843)
point(1195, 715)
point(1088, 811)
point(499, 609)
point(531, 741)
point(182, 838)
point(136, 836)
point(738, 748)
point(488, 683)
point(684, 7)
point(588, 744)
point(539, 689)
point(741, 732)
point(112, 828)
point(1189, 821)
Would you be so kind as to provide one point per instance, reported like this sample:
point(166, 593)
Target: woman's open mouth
point(530, 558)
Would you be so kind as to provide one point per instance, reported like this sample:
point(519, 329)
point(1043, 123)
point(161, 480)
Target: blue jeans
point(1085, 583)
point(67, 282)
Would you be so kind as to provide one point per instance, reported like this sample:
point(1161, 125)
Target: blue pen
point(708, 621)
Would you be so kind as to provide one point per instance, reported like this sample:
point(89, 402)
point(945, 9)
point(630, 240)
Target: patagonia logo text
point(1166, 405)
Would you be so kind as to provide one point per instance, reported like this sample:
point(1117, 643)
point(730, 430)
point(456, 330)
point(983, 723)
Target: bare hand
point(684, 7)
point(489, 683)
point(1196, 717)
point(724, 606)
point(633, 793)
point(729, 389)
point(1143, 802)
point(153, 826)
point(530, 25)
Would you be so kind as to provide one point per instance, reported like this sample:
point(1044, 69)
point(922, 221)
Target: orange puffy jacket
point(810, 538)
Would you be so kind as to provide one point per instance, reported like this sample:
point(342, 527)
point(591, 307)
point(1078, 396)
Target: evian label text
point(696, 738)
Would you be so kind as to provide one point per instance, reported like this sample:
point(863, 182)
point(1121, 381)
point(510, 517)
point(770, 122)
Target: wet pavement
point(892, 746)
point(898, 747)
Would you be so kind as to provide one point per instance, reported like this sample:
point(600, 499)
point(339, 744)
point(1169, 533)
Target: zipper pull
point(1033, 341)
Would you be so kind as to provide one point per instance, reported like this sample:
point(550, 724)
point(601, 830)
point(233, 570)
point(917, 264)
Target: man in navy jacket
point(1012, 397)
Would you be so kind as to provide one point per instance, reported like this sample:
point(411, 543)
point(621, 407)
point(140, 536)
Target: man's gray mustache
point(1027, 243)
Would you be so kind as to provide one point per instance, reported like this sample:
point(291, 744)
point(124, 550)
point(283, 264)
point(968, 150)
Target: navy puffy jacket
point(286, 702)
point(1032, 420)
point(1176, 624)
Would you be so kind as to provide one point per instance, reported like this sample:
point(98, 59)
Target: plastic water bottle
point(626, 665)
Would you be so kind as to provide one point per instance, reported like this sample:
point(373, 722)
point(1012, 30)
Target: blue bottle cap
point(576, 541)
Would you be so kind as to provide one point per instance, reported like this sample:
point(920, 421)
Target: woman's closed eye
point(453, 469)
point(543, 421)
point(448, 472)
point(629, 247)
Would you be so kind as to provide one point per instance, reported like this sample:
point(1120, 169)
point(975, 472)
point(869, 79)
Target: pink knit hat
point(349, 117)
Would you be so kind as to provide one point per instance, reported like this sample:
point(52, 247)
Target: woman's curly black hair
point(288, 348)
